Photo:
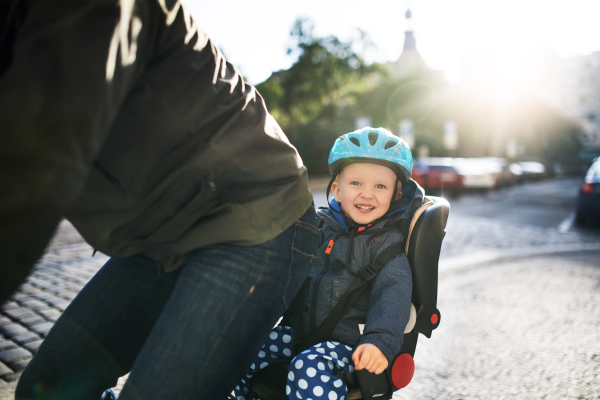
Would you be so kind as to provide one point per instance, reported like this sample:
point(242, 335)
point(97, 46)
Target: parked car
point(588, 202)
point(478, 173)
point(440, 175)
point(418, 173)
point(532, 170)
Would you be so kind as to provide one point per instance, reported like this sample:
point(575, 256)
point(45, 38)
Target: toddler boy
point(374, 203)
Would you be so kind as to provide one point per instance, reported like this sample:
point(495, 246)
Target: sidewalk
point(68, 264)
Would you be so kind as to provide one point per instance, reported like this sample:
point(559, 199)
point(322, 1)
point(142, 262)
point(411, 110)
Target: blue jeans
point(188, 334)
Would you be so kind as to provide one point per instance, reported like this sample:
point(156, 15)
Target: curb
point(487, 256)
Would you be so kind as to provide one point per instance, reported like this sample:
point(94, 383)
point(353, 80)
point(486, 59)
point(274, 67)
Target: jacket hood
point(412, 198)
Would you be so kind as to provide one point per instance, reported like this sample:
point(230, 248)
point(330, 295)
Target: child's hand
point(370, 357)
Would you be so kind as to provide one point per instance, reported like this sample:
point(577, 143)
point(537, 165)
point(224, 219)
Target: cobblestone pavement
point(518, 329)
point(68, 264)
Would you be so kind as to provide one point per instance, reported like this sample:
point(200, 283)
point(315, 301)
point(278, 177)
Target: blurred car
point(532, 170)
point(440, 175)
point(588, 202)
point(418, 173)
point(478, 173)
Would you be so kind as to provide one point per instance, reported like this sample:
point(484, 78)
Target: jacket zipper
point(313, 308)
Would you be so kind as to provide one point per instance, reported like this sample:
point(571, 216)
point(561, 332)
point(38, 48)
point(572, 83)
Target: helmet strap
point(327, 196)
point(395, 193)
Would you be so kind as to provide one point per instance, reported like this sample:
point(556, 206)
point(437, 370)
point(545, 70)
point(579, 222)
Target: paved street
point(517, 329)
point(519, 297)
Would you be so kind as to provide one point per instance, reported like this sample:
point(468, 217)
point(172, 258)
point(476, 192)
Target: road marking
point(567, 223)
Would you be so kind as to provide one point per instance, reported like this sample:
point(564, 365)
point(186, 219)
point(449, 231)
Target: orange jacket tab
point(329, 247)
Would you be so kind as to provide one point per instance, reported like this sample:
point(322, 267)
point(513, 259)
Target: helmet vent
point(373, 136)
point(389, 144)
point(355, 141)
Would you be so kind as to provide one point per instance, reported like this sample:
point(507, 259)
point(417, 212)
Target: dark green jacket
point(124, 117)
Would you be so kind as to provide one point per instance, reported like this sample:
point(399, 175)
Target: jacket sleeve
point(72, 64)
point(389, 307)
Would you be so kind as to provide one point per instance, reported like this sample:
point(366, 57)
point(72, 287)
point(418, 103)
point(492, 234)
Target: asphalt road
point(546, 203)
point(517, 329)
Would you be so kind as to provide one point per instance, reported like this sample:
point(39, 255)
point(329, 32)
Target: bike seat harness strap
point(364, 279)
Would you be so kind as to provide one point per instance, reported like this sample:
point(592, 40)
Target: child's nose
point(367, 194)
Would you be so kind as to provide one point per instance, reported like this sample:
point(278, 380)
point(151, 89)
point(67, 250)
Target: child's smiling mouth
point(364, 208)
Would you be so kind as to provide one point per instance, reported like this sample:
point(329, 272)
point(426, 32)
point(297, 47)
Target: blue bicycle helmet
point(372, 145)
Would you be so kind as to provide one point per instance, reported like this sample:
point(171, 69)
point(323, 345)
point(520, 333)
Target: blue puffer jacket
point(385, 308)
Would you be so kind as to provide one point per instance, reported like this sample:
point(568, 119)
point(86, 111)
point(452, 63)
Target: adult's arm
point(72, 64)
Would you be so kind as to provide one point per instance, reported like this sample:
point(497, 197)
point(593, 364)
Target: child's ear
point(335, 189)
point(399, 191)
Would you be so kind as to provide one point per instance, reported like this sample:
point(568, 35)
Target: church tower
point(410, 59)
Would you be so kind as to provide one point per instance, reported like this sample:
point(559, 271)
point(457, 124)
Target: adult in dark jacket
point(122, 116)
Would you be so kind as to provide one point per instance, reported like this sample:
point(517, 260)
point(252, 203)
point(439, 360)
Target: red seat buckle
point(403, 370)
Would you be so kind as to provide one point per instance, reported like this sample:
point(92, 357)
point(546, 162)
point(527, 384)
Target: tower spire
point(409, 34)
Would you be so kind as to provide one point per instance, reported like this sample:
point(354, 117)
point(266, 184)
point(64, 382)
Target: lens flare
point(413, 100)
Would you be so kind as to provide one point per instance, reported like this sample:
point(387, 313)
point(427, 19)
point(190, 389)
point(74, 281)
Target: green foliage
point(329, 86)
point(309, 99)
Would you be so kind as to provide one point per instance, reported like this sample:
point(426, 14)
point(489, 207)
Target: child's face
point(365, 191)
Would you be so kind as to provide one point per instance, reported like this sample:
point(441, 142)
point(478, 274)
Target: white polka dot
point(351, 368)
point(341, 363)
point(298, 395)
point(330, 364)
point(318, 391)
point(273, 355)
point(345, 359)
point(317, 345)
point(321, 366)
point(261, 354)
point(305, 351)
point(246, 391)
point(291, 376)
point(287, 352)
point(299, 364)
point(325, 378)
point(312, 357)
point(241, 398)
point(286, 338)
point(263, 365)
point(330, 345)
point(302, 384)
point(273, 335)
point(238, 386)
point(322, 351)
point(288, 390)
point(252, 366)
point(333, 354)
point(327, 358)
point(332, 395)
point(273, 348)
point(311, 372)
point(343, 398)
point(338, 383)
point(348, 348)
point(336, 343)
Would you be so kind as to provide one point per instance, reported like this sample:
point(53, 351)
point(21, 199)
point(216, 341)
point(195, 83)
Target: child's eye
point(380, 186)
point(354, 183)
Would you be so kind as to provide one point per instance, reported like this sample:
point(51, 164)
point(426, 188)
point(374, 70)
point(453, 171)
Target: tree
point(308, 100)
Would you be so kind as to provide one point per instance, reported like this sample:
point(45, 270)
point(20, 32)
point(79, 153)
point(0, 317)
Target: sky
point(254, 35)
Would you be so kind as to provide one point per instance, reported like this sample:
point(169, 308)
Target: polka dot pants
point(312, 373)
